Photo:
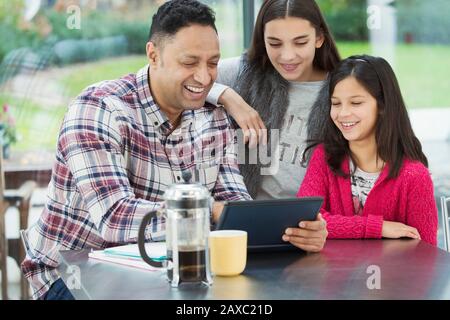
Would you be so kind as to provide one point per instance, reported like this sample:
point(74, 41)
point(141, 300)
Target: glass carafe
point(187, 212)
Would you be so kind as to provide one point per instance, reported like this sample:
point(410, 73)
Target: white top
point(362, 183)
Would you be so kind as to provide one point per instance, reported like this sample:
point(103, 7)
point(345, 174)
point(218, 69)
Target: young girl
point(370, 168)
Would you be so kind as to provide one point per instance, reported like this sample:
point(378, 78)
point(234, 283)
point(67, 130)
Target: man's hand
point(246, 117)
point(310, 236)
point(217, 210)
point(395, 230)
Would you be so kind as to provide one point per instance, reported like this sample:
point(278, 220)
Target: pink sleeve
point(421, 208)
point(339, 226)
point(353, 227)
point(315, 182)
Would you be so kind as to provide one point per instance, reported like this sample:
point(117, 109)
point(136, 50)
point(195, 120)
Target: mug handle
point(141, 240)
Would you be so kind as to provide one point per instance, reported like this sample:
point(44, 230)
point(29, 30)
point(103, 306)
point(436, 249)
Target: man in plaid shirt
point(124, 141)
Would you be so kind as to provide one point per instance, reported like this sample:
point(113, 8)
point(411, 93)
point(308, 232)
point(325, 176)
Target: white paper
point(155, 250)
point(128, 255)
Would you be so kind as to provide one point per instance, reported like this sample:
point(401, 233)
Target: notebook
point(128, 255)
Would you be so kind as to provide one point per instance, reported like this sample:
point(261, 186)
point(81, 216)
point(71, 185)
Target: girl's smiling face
point(291, 45)
point(354, 110)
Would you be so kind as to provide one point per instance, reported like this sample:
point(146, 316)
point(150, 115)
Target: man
point(123, 142)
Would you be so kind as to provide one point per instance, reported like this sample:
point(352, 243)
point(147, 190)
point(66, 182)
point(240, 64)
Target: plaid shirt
point(116, 155)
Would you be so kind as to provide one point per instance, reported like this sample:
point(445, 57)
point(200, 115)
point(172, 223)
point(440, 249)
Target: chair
point(445, 223)
point(3, 240)
point(24, 285)
point(3, 243)
point(19, 198)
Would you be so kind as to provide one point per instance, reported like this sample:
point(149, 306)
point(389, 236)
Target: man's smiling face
point(183, 69)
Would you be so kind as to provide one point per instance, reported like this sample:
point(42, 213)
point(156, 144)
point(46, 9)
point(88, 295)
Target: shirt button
point(178, 178)
point(156, 123)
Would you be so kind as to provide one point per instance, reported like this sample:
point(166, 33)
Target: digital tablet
point(266, 220)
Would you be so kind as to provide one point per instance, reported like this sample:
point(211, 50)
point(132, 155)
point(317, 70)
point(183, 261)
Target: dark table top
point(345, 269)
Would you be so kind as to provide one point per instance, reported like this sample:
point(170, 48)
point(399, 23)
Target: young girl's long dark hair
point(393, 133)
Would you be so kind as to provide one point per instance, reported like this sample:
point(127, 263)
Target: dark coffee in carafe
point(191, 261)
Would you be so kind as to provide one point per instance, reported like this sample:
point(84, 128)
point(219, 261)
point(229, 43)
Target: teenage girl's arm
point(246, 117)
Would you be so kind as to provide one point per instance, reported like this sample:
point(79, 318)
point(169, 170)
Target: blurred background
point(51, 49)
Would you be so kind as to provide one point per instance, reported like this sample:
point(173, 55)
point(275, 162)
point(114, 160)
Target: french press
point(187, 212)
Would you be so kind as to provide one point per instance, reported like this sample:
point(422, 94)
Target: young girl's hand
point(246, 117)
point(310, 236)
point(395, 230)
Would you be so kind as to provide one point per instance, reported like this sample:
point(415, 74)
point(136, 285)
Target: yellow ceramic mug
point(228, 249)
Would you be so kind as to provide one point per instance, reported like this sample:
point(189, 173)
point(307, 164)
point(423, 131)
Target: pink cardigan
point(408, 199)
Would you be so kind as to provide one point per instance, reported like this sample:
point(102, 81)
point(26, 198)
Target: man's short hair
point(176, 14)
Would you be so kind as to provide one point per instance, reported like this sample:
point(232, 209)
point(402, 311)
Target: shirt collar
point(153, 111)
